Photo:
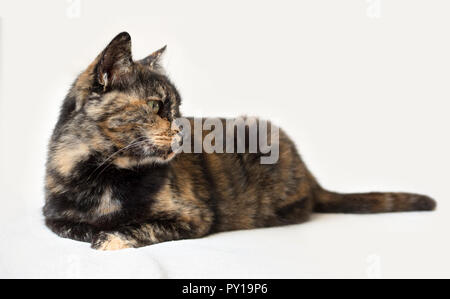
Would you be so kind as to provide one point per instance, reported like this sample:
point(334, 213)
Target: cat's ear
point(115, 62)
point(152, 60)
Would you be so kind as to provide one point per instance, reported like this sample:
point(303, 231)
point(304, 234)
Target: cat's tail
point(366, 203)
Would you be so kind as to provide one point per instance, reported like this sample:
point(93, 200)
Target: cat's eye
point(154, 105)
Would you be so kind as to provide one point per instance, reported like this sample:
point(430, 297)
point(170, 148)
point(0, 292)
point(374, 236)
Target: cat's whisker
point(124, 148)
point(132, 143)
point(110, 163)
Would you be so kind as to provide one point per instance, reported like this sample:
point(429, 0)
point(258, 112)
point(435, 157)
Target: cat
point(114, 180)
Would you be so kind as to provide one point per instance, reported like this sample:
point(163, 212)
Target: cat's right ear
point(152, 60)
point(115, 62)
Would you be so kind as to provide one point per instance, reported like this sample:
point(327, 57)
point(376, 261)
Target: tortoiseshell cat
point(113, 180)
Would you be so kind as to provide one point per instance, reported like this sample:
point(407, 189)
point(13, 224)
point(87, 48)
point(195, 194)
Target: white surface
point(366, 99)
point(329, 246)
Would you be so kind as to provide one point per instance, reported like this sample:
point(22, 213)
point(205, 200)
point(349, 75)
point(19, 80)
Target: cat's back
point(242, 191)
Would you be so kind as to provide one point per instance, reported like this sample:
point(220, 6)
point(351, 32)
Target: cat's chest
point(128, 190)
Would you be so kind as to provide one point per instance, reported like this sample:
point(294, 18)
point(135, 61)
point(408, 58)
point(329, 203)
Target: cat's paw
point(108, 241)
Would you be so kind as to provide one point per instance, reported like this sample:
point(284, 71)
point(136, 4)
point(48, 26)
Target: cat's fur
point(102, 190)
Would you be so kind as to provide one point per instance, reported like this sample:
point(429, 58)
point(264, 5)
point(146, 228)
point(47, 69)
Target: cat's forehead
point(130, 97)
point(139, 88)
point(145, 84)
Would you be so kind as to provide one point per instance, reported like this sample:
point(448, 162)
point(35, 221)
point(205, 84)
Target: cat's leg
point(66, 229)
point(134, 236)
point(296, 212)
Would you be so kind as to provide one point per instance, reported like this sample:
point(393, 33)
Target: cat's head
point(127, 107)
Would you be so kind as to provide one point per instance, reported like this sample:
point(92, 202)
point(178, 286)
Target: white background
point(363, 92)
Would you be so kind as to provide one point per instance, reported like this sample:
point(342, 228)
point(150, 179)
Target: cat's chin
point(127, 162)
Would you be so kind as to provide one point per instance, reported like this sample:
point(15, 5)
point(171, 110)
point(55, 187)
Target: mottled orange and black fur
point(113, 180)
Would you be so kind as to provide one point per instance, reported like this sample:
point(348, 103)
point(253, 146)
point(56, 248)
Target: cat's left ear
point(152, 60)
point(111, 66)
point(115, 61)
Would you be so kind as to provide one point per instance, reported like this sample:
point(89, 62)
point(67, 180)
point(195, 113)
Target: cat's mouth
point(145, 154)
point(156, 147)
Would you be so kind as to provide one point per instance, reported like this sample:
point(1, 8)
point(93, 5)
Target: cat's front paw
point(107, 241)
